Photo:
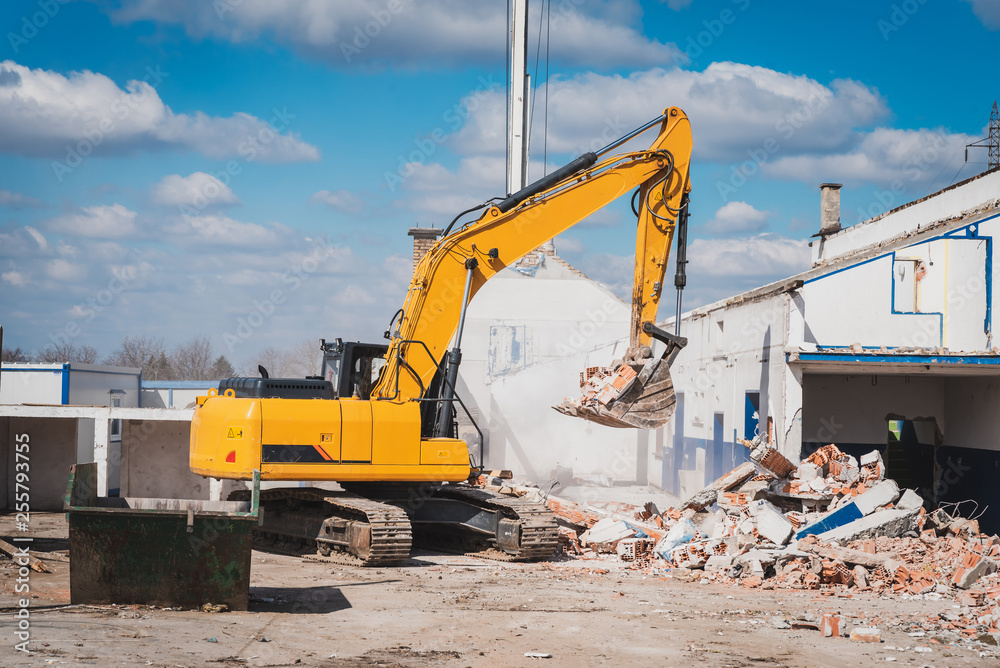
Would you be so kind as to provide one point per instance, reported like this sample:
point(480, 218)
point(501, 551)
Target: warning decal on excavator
point(235, 433)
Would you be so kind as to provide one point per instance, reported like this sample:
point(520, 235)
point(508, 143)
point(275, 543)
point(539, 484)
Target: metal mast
point(517, 99)
point(991, 143)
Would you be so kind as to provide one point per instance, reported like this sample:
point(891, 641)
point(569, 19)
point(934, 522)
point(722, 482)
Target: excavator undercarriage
point(377, 526)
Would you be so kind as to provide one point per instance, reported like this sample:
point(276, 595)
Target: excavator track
point(539, 532)
point(295, 519)
point(381, 533)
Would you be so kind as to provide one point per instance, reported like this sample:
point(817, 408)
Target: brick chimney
point(829, 208)
point(423, 239)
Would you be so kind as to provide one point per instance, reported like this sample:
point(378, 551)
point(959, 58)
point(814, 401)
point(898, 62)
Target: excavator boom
point(380, 421)
point(460, 263)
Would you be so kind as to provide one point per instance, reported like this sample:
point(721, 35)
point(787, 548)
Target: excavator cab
point(353, 368)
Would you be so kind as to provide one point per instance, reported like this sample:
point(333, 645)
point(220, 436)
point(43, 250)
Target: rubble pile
point(833, 523)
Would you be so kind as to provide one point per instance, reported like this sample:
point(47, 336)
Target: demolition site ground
point(446, 610)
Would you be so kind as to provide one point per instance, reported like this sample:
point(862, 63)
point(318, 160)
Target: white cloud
point(105, 222)
point(717, 269)
point(348, 33)
point(62, 270)
point(47, 114)
point(760, 256)
point(738, 218)
point(19, 201)
point(884, 156)
point(222, 230)
point(436, 192)
point(338, 200)
point(198, 190)
point(568, 244)
point(15, 278)
point(734, 109)
point(39, 238)
point(677, 5)
point(987, 11)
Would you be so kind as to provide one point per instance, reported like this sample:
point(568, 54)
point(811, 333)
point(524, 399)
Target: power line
point(991, 142)
point(545, 123)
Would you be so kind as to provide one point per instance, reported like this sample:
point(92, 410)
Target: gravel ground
point(444, 610)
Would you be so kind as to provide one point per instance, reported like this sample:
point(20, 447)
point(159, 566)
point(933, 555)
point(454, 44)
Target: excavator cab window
point(354, 368)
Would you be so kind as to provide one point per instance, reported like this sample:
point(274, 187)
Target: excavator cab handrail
point(455, 396)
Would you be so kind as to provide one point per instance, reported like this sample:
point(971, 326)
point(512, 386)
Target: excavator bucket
point(634, 395)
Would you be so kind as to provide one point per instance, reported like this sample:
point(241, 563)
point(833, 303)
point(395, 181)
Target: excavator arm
point(461, 262)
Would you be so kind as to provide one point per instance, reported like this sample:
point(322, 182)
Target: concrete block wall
point(52, 450)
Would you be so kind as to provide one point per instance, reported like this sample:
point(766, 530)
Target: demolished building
point(885, 344)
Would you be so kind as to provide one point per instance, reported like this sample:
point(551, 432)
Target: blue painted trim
point(993, 360)
point(65, 384)
point(970, 231)
point(988, 324)
point(892, 298)
point(847, 268)
point(170, 398)
point(58, 369)
point(179, 384)
point(109, 373)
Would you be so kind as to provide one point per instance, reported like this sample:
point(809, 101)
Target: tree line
point(192, 360)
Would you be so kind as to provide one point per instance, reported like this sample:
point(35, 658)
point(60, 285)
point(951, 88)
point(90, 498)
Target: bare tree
point(17, 355)
point(192, 360)
point(68, 352)
point(271, 359)
point(301, 360)
point(144, 352)
point(304, 359)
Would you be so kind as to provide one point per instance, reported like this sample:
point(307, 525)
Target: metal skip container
point(167, 552)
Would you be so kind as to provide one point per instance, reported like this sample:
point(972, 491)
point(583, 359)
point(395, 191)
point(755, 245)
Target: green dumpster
point(166, 552)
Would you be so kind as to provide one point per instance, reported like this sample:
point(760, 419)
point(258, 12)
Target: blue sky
point(251, 167)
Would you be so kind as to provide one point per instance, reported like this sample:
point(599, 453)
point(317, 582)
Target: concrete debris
point(832, 522)
point(829, 625)
point(889, 523)
point(710, 494)
point(866, 634)
point(606, 533)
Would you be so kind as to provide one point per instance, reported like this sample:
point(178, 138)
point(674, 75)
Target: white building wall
point(932, 294)
point(983, 191)
point(972, 418)
point(526, 341)
point(31, 383)
point(92, 385)
point(852, 409)
point(732, 351)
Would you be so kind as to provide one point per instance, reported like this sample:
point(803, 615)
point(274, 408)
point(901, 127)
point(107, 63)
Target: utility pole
point(992, 142)
point(519, 106)
point(517, 99)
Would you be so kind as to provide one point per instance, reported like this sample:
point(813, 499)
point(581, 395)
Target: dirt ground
point(445, 610)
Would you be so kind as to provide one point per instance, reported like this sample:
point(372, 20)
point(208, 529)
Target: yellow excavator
point(380, 421)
